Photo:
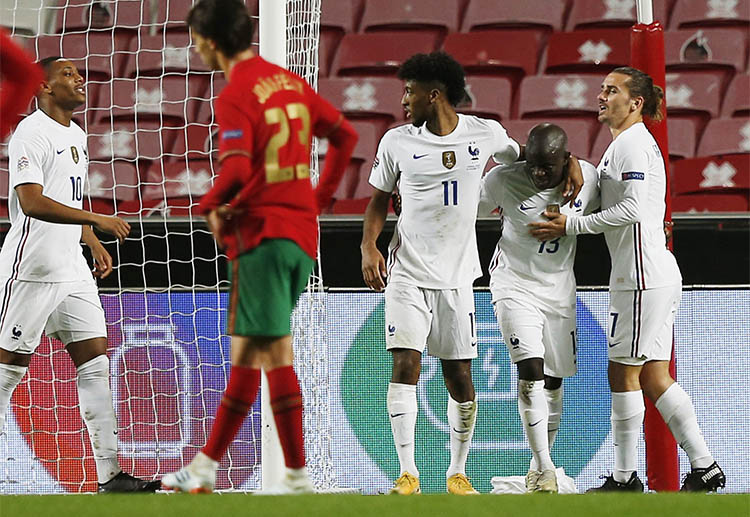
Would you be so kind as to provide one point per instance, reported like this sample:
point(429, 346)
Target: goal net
point(152, 154)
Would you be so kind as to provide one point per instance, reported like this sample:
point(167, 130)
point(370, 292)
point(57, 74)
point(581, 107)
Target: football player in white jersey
point(534, 288)
point(46, 282)
point(645, 282)
point(437, 162)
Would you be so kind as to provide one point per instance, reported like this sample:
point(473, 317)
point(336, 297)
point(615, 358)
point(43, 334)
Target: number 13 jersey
point(439, 178)
point(45, 152)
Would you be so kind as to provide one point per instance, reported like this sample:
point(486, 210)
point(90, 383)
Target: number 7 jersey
point(439, 178)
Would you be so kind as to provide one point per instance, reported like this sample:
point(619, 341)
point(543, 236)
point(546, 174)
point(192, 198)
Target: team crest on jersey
point(16, 332)
point(474, 152)
point(74, 153)
point(449, 159)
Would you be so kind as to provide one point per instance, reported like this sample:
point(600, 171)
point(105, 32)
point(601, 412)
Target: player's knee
point(531, 369)
point(96, 368)
point(552, 383)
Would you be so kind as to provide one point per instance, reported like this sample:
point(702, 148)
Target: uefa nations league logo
point(499, 447)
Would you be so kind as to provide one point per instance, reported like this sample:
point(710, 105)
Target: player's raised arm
point(20, 81)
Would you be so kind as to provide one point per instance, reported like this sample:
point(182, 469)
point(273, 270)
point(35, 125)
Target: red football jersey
point(269, 114)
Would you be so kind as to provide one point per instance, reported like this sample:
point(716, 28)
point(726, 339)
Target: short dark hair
point(640, 84)
point(46, 64)
point(436, 67)
point(226, 22)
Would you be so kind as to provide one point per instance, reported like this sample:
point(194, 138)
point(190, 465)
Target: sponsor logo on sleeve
point(633, 175)
point(231, 134)
point(23, 164)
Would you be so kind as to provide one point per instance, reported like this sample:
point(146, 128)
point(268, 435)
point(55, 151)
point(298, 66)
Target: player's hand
point(373, 268)
point(573, 181)
point(396, 202)
point(548, 230)
point(668, 225)
point(217, 219)
point(113, 225)
point(102, 262)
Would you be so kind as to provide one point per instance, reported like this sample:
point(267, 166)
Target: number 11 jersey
point(44, 152)
point(439, 177)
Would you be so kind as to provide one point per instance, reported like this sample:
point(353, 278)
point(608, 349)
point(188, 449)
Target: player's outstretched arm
point(373, 263)
point(102, 258)
point(35, 204)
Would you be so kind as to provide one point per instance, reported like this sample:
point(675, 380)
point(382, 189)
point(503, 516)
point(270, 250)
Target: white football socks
point(461, 419)
point(678, 412)
point(555, 408)
point(95, 401)
point(10, 376)
point(532, 407)
point(402, 410)
point(627, 420)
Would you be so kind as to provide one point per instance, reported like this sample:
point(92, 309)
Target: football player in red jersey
point(21, 79)
point(263, 211)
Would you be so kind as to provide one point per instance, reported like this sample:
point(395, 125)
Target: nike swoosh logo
point(524, 208)
point(418, 156)
point(614, 345)
point(397, 415)
point(60, 152)
point(532, 425)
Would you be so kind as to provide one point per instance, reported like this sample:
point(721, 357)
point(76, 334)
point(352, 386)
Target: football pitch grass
point(435, 505)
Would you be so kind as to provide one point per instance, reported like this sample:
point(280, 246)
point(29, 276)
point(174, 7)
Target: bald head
point(546, 155)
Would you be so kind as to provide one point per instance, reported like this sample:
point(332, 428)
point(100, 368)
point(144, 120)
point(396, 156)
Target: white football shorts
point(68, 311)
point(441, 319)
point(531, 332)
point(641, 324)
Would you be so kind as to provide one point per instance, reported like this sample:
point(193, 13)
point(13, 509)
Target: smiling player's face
point(64, 85)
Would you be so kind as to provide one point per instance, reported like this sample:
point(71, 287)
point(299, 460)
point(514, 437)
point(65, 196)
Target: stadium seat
point(590, 14)
point(85, 15)
point(121, 140)
point(737, 99)
point(728, 174)
point(151, 56)
point(436, 18)
point(579, 133)
point(172, 98)
point(379, 53)
point(111, 182)
point(708, 13)
point(98, 56)
point(694, 96)
point(196, 141)
point(681, 133)
point(171, 14)
point(361, 161)
point(488, 97)
point(377, 99)
point(488, 53)
point(175, 188)
point(542, 16)
point(711, 202)
point(595, 51)
point(560, 96)
point(705, 50)
point(725, 136)
point(336, 19)
point(205, 109)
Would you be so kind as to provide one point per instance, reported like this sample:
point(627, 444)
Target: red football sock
point(240, 394)
point(286, 403)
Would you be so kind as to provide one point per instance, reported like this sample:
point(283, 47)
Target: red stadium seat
point(205, 109)
point(681, 134)
point(197, 141)
point(121, 140)
point(361, 161)
point(560, 96)
point(737, 99)
point(379, 53)
point(171, 97)
point(374, 98)
point(708, 13)
point(589, 14)
point(711, 202)
point(488, 97)
point(112, 183)
point(352, 206)
point(729, 173)
point(595, 51)
point(436, 18)
point(725, 136)
point(487, 52)
point(175, 188)
point(705, 50)
point(171, 14)
point(336, 19)
point(578, 131)
point(85, 15)
point(542, 16)
point(98, 56)
point(693, 96)
point(151, 56)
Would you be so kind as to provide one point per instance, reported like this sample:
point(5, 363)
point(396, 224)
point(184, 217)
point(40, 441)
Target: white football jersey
point(522, 266)
point(633, 187)
point(435, 244)
point(45, 152)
